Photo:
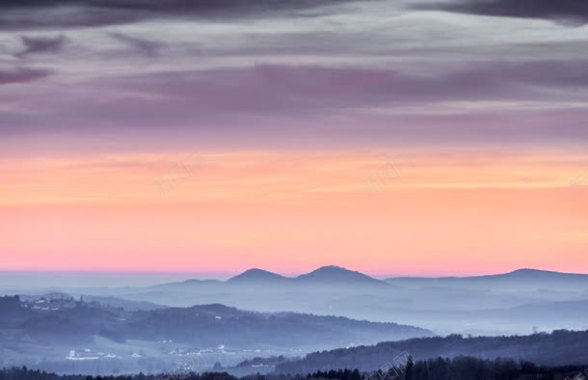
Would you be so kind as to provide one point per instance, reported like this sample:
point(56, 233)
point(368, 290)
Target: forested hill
point(47, 322)
point(463, 368)
point(559, 348)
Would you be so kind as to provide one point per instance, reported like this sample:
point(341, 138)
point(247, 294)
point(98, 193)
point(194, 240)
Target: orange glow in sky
point(223, 212)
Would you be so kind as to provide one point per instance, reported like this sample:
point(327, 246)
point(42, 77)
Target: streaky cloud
point(22, 75)
point(91, 13)
point(572, 12)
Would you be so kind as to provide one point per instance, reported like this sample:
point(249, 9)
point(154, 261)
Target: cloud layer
point(83, 13)
point(292, 72)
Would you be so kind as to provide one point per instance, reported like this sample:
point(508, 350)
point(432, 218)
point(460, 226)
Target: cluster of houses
point(88, 354)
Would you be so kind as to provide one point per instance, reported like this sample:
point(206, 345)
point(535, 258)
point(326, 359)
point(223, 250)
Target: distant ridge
point(336, 275)
point(528, 272)
point(256, 275)
point(326, 275)
point(520, 279)
point(333, 274)
point(523, 273)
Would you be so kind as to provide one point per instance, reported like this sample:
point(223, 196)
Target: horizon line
point(213, 275)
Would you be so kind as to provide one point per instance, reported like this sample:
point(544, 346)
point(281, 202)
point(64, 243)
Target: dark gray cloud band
point(567, 11)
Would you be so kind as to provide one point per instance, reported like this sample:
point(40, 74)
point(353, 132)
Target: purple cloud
point(144, 46)
point(247, 96)
point(22, 75)
point(35, 45)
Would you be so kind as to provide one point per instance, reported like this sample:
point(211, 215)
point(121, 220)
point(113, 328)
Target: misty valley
point(264, 326)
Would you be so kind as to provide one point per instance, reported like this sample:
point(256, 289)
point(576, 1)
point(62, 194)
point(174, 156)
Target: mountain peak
point(329, 274)
point(532, 273)
point(333, 269)
point(337, 274)
point(256, 275)
point(525, 271)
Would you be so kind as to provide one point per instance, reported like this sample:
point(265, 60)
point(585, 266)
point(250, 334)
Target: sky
point(409, 137)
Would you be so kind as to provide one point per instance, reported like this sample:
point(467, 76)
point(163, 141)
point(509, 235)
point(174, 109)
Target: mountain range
point(327, 275)
point(333, 275)
point(518, 302)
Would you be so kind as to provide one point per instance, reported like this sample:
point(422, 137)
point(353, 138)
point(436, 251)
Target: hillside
point(559, 348)
point(198, 336)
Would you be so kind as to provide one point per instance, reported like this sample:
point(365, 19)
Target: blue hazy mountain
point(517, 302)
point(335, 275)
point(521, 278)
point(257, 276)
point(324, 276)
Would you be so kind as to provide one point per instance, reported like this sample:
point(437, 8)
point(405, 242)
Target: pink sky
point(223, 212)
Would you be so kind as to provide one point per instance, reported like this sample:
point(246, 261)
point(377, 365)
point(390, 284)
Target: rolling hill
point(558, 348)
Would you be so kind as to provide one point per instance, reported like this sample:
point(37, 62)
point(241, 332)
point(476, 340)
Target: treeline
point(460, 368)
point(468, 368)
point(272, 360)
point(24, 373)
point(340, 374)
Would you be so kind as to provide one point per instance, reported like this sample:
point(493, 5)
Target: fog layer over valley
point(204, 324)
point(519, 302)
